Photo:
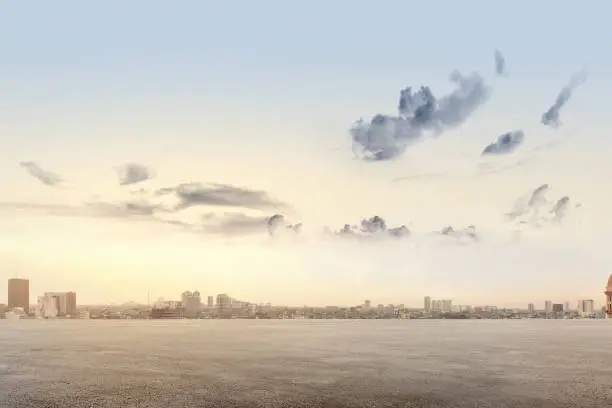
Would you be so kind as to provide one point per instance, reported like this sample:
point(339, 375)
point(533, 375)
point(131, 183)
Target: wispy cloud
point(46, 177)
point(132, 173)
point(224, 195)
point(500, 64)
point(551, 117)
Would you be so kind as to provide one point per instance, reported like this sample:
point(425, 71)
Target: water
point(293, 363)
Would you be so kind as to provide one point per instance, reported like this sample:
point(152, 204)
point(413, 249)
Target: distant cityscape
point(63, 305)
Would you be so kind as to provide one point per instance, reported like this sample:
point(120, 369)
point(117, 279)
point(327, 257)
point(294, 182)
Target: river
point(306, 363)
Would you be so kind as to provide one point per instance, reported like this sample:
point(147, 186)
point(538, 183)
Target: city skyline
point(265, 118)
point(427, 302)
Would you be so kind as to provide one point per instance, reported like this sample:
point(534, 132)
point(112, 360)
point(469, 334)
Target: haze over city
point(270, 114)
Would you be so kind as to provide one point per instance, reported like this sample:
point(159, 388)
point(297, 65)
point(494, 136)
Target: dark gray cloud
point(46, 177)
point(198, 194)
point(506, 143)
point(500, 63)
point(386, 137)
point(551, 116)
point(132, 173)
point(371, 227)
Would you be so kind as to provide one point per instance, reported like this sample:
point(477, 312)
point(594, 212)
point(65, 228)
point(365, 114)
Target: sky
point(261, 96)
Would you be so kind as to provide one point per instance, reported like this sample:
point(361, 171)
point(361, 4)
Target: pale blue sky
point(260, 94)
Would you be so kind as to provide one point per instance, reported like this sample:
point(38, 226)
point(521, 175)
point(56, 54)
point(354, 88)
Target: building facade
point(192, 304)
point(65, 302)
point(586, 307)
point(19, 293)
point(427, 304)
point(224, 304)
point(548, 306)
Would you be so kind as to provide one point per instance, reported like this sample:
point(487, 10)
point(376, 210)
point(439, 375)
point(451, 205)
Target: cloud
point(372, 227)
point(500, 64)
point(386, 137)
point(559, 210)
point(506, 143)
point(230, 223)
point(278, 226)
point(46, 177)
point(132, 173)
point(531, 210)
point(461, 234)
point(198, 194)
point(529, 202)
point(551, 116)
point(140, 208)
point(92, 209)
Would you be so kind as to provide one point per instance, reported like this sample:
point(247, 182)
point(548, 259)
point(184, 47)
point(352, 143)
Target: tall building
point(224, 304)
point(65, 302)
point(531, 308)
point(608, 293)
point(566, 307)
point(46, 307)
point(192, 304)
point(427, 304)
point(367, 304)
point(447, 305)
point(586, 307)
point(19, 293)
point(211, 301)
point(548, 306)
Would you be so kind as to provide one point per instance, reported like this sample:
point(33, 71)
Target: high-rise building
point(566, 307)
point(557, 307)
point(447, 305)
point(65, 302)
point(224, 304)
point(548, 306)
point(367, 304)
point(46, 307)
point(531, 308)
point(586, 307)
point(211, 301)
point(427, 304)
point(19, 293)
point(608, 293)
point(191, 303)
